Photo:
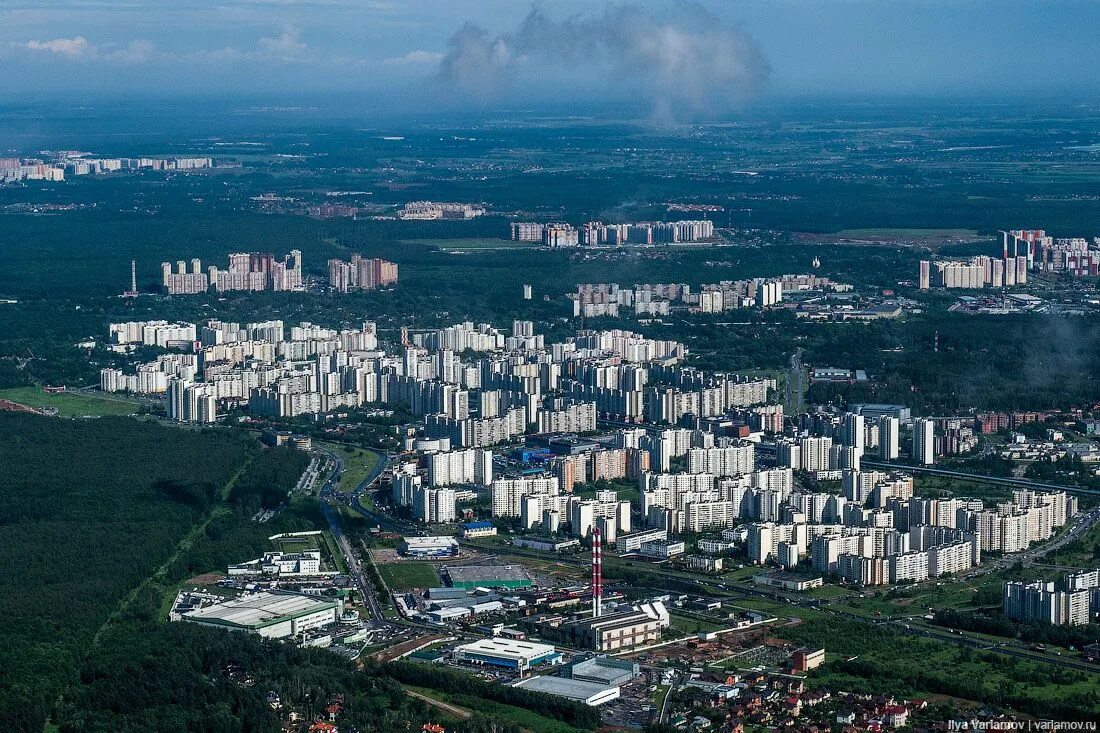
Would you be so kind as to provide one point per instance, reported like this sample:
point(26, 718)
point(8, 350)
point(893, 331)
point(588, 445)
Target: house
point(846, 717)
point(895, 716)
point(433, 728)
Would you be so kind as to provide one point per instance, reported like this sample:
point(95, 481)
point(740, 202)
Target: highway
point(1003, 480)
point(327, 495)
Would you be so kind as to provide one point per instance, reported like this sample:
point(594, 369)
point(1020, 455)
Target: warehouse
point(488, 576)
point(605, 671)
point(589, 693)
point(429, 546)
point(507, 653)
point(272, 615)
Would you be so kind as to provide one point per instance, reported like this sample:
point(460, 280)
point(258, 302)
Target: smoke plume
point(683, 62)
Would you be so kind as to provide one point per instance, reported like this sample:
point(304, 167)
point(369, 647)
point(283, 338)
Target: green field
point(404, 576)
point(472, 243)
point(692, 624)
point(886, 233)
point(358, 463)
point(70, 404)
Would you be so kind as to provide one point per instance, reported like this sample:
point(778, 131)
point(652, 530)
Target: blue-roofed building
point(471, 530)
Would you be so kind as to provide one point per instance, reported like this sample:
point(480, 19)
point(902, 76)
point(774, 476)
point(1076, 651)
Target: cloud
point(71, 47)
point(683, 61)
point(136, 52)
point(287, 44)
point(415, 58)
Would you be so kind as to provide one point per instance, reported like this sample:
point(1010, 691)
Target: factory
point(589, 693)
point(507, 653)
point(606, 671)
point(470, 577)
point(429, 546)
point(271, 615)
point(610, 632)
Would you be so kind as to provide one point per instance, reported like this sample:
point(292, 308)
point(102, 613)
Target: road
point(327, 495)
point(1019, 483)
point(453, 710)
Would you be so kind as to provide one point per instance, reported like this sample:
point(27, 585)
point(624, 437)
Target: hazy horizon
point(677, 59)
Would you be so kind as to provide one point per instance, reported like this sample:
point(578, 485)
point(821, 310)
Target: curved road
point(327, 495)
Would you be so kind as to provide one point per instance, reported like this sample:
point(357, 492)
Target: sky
point(669, 55)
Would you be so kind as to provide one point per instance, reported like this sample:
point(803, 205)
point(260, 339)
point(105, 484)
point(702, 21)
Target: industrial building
point(612, 632)
point(546, 544)
point(507, 653)
point(787, 581)
point(429, 546)
point(488, 576)
point(589, 693)
point(271, 615)
point(603, 670)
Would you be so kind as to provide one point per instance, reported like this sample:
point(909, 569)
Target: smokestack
point(597, 573)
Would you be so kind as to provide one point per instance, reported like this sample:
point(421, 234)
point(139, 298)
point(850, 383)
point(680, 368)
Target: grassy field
point(692, 625)
point(886, 233)
point(70, 404)
point(404, 576)
point(481, 243)
point(358, 463)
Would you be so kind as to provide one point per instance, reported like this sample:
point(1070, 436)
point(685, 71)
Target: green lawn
point(70, 404)
point(407, 575)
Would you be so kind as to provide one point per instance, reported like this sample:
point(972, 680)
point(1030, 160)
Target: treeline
point(997, 624)
point(435, 677)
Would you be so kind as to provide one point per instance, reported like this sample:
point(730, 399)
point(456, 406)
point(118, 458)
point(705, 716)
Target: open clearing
point(69, 404)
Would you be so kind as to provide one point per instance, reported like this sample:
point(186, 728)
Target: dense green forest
point(100, 520)
point(87, 510)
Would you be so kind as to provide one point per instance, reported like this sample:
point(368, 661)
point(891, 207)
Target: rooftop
point(501, 647)
point(564, 687)
point(260, 609)
point(429, 542)
point(486, 573)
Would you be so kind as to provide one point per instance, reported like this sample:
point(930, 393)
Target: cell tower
point(597, 573)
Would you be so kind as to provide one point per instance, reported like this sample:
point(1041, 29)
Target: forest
point(88, 509)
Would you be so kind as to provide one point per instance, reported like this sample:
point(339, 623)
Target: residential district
point(531, 479)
